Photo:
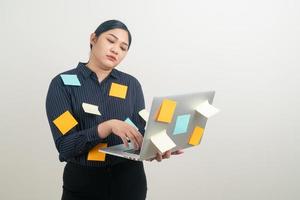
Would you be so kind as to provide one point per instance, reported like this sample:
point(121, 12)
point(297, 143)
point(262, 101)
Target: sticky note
point(118, 90)
point(89, 108)
point(65, 122)
point(70, 79)
point(144, 114)
point(182, 122)
point(162, 141)
point(196, 136)
point(128, 121)
point(94, 153)
point(166, 111)
point(207, 109)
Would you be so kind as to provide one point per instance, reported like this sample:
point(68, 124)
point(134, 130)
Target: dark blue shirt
point(77, 142)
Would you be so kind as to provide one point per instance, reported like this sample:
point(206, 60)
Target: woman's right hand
point(121, 129)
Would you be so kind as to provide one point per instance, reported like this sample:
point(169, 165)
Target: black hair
point(112, 24)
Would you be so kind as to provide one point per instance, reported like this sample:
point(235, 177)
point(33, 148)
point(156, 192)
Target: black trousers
point(122, 181)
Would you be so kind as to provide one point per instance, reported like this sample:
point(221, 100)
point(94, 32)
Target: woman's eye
point(123, 49)
point(110, 41)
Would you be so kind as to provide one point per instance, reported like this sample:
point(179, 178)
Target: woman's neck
point(100, 71)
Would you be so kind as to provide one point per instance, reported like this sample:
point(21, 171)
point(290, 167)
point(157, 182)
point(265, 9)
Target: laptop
point(185, 105)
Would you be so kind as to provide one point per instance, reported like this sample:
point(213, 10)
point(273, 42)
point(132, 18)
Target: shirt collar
point(87, 72)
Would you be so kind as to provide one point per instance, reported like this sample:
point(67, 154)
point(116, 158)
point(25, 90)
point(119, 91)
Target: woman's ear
point(93, 39)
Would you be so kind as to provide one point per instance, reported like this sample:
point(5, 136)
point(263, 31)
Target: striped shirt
point(74, 145)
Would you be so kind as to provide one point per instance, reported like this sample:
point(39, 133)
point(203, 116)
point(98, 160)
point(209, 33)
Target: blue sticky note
point(70, 79)
point(128, 121)
point(182, 122)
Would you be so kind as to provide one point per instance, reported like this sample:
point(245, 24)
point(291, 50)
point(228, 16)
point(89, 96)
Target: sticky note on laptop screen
point(206, 109)
point(182, 122)
point(166, 111)
point(196, 136)
point(162, 141)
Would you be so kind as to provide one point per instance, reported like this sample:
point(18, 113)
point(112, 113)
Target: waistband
point(108, 166)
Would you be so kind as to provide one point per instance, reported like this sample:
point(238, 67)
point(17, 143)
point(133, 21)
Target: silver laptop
point(185, 104)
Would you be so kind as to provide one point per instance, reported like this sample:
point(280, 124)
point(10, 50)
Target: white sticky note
point(89, 108)
point(128, 121)
point(144, 114)
point(207, 109)
point(162, 141)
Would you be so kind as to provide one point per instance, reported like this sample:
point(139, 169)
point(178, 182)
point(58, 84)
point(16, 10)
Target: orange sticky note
point(196, 136)
point(65, 122)
point(166, 111)
point(118, 90)
point(95, 155)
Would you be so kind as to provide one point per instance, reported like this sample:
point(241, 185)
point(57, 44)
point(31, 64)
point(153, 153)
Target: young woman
point(87, 107)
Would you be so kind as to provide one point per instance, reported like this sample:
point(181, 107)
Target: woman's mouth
point(111, 58)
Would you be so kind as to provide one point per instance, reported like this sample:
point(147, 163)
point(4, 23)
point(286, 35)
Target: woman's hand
point(159, 157)
point(121, 129)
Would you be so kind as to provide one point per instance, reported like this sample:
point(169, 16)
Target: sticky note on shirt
point(196, 136)
point(65, 122)
point(182, 122)
point(144, 114)
point(118, 90)
point(166, 111)
point(70, 79)
point(207, 109)
point(162, 141)
point(94, 153)
point(128, 121)
point(91, 109)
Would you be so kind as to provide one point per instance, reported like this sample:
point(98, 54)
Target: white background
point(246, 50)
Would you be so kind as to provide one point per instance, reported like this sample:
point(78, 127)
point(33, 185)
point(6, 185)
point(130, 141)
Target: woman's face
point(110, 47)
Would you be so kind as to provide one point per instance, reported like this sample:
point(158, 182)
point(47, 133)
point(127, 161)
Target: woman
point(87, 107)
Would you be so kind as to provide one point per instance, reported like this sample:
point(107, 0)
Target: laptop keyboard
point(134, 151)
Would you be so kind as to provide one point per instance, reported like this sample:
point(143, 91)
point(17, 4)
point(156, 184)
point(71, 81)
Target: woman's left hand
point(159, 157)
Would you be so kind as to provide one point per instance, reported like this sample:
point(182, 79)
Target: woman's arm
point(75, 142)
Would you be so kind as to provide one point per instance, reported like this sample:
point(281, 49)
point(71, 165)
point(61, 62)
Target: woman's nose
point(113, 49)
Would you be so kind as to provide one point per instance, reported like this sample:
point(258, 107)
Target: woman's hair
point(112, 24)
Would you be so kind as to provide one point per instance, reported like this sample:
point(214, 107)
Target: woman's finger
point(167, 154)
point(137, 135)
point(132, 139)
point(178, 152)
point(124, 139)
point(158, 157)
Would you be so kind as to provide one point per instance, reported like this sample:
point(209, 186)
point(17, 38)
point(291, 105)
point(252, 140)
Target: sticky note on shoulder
point(207, 109)
point(196, 136)
point(162, 141)
point(166, 111)
point(91, 109)
point(70, 79)
point(65, 122)
point(118, 90)
point(95, 155)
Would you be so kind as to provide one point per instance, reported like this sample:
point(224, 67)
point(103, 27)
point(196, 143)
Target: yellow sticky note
point(196, 136)
point(166, 111)
point(118, 90)
point(65, 122)
point(95, 155)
